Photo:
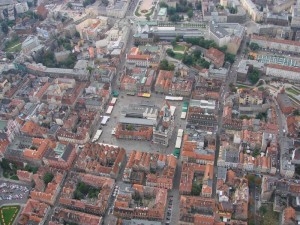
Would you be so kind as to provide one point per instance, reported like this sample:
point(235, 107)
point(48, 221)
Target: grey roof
point(140, 222)
point(222, 172)
point(137, 121)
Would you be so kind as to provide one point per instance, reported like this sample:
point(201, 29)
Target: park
point(8, 214)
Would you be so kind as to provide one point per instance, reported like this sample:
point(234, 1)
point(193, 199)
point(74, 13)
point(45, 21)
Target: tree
point(163, 5)
point(175, 18)
point(263, 210)
point(188, 60)
point(147, 17)
point(173, 43)
point(296, 112)
point(69, 5)
point(190, 13)
point(196, 189)
point(170, 52)
point(171, 11)
point(105, 2)
point(48, 177)
point(229, 57)
point(10, 56)
point(90, 69)
point(5, 164)
point(254, 46)
point(197, 53)
point(198, 5)
point(4, 28)
point(165, 65)
point(77, 34)
point(254, 76)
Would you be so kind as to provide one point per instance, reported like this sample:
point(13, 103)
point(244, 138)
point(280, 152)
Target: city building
point(71, 216)
point(195, 151)
point(197, 210)
point(163, 130)
point(137, 121)
point(153, 169)
point(103, 160)
point(117, 8)
point(47, 192)
point(148, 203)
point(99, 191)
point(34, 212)
point(201, 114)
point(252, 10)
point(284, 72)
point(285, 103)
point(215, 56)
point(230, 34)
point(250, 96)
point(275, 43)
point(60, 157)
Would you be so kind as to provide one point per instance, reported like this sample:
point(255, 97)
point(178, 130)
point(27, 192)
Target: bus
point(178, 142)
point(104, 120)
point(97, 135)
point(109, 109)
point(180, 133)
point(173, 98)
point(183, 115)
point(113, 101)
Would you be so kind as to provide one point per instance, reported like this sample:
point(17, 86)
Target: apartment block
point(148, 203)
point(152, 169)
point(103, 160)
point(96, 201)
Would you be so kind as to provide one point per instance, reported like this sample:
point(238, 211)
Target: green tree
point(175, 18)
point(197, 53)
point(296, 112)
point(48, 177)
point(173, 43)
point(188, 60)
point(165, 65)
point(4, 27)
point(90, 69)
point(254, 76)
point(69, 5)
point(196, 189)
point(229, 57)
point(10, 56)
point(254, 46)
point(198, 5)
point(263, 210)
point(163, 5)
point(190, 13)
point(170, 52)
point(77, 34)
point(5, 164)
point(171, 11)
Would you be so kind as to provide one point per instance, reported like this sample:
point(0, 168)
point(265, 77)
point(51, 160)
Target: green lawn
point(242, 86)
point(178, 56)
point(13, 45)
point(179, 48)
point(15, 48)
point(8, 214)
point(293, 91)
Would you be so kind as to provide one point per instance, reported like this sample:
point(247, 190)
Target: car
point(256, 197)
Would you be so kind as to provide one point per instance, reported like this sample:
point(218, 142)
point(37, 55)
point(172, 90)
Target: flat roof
point(137, 121)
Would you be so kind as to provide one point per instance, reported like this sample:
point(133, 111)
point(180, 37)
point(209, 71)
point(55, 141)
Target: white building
point(287, 72)
point(117, 9)
point(30, 43)
point(21, 7)
point(252, 10)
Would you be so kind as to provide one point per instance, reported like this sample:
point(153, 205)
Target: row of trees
point(211, 44)
point(182, 7)
point(83, 190)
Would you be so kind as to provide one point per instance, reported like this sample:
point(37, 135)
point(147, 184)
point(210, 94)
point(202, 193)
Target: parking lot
point(280, 60)
point(147, 146)
point(11, 192)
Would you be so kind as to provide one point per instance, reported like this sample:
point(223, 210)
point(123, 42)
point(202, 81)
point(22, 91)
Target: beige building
point(274, 43)
point(252, 10)
point(286, 72)
point(90, 28)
